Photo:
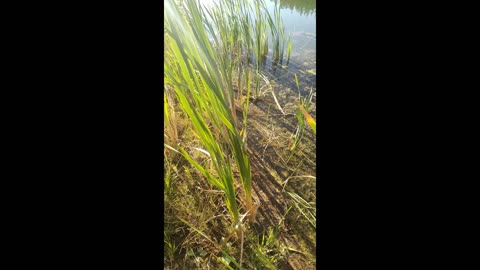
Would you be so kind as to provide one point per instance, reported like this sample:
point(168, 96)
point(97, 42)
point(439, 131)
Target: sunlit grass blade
point(310, 120)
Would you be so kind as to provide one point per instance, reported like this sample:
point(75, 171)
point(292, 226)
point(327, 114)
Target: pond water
point(299, 18)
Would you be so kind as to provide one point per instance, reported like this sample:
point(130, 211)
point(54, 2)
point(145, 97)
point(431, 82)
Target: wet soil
point(269, 135)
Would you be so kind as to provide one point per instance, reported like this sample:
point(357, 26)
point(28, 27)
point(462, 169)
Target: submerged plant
point(289, 48)
point(277, 30)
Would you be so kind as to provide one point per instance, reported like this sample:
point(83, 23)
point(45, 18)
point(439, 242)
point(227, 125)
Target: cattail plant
point(203, 86)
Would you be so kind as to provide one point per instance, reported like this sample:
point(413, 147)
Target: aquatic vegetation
point(289, 48)
point(214, 55)
point(205, 94)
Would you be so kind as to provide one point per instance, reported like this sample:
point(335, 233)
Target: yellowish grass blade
point(309, 118)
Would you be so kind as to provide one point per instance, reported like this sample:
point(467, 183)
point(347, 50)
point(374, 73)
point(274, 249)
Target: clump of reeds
point(277, 30)
point(203, 86)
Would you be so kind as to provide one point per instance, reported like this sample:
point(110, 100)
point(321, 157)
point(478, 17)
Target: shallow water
point(299, 18)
